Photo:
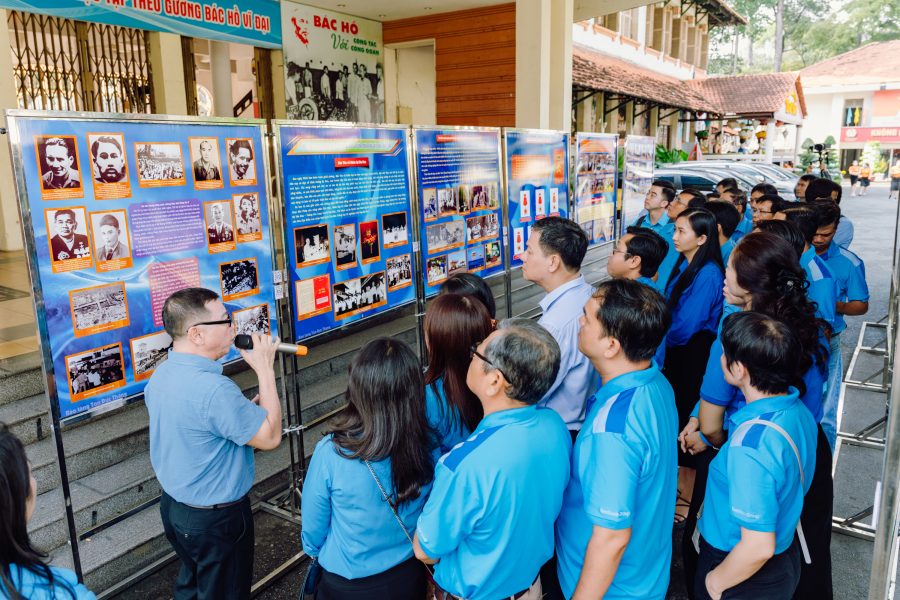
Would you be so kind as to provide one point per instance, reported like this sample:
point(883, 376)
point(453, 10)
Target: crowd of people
point(695, 389)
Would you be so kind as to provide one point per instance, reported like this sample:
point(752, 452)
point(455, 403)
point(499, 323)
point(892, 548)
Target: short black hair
point(472, 286)
point(667, 187)
point(104, 139)
point(713, 195)
point(740, 197)
point(728, 182)
point(635, 314)
point(563, 237)
point(777, 201)
point(827, 212)
point(805, 218)
point(694, 194)
point(183, 306)
point(649, 246)
point(765, 189)
point(238, 144)
point(766, 347)
point(808, 177)
point(786, 231)
point(727, 216)
point(822, 188)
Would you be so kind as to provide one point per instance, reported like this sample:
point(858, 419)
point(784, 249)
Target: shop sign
point(254, 22)
point(870, 134)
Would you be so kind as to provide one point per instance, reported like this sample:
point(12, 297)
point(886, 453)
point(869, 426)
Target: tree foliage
point(813, 31)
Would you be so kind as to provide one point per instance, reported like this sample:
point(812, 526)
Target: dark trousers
point(776, 579)
point(550, 581)
point(684, 368)
point(215, 547)
point(406, 581)
point(689, 556)
point(818, 505)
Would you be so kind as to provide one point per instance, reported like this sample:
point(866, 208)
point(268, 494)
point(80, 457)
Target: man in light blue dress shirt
point(552, 260)
point(202, 434)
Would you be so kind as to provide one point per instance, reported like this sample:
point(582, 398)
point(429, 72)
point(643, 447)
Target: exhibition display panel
point(637, 175)
point(596, 175)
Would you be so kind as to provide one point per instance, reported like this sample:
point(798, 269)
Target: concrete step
point(21, 377)
point(28, 418)
point(136, 542)
point(96, 499)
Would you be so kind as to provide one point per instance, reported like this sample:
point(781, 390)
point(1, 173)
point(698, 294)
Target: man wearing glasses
point(765, 207)
point(489, 518)
point(202, 434)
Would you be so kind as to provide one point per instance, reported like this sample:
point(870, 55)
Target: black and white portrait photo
point(108, 157)
point(59, 167)
point(206, 163)
point(219, 222)
point(241, 161)
point(345, 246)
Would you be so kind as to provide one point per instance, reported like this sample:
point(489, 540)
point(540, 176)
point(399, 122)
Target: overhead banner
point(596, 166)
point(537, 180)
point(637, 175)
point(254, 22)
point(459, 181)
point(347, 218)
point(333, 65)
point(121, 212)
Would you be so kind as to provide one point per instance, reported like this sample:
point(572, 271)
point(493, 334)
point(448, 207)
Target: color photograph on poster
point(138, 231)
point(333, 65)
point(537, 182)
point(459, 178)
point(596, 167)
point(347, 204)
point(637, 175)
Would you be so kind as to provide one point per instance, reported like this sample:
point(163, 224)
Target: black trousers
point(776, 579)
point(818, 505)
point(684, 368)
point(550, 581)
point(689, 556)
point(406, 581)
point(215, 547)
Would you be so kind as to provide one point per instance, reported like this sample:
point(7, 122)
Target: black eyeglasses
point(219, 322)
point(473, 351)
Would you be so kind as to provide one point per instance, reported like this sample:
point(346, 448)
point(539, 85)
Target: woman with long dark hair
point(473, 286)
point(764, 275)
point(453, 325)
point(373, 471)
point(694, 296)
point(23, 572)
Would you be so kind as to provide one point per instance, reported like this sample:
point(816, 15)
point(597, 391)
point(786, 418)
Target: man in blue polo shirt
point(658, 217)
point(552, 260)
point(727, 220)
point(738, 198)
point(637, 255)
point(614, 534)
point(756, 484)
point(852, 300)
point(489, 519)
point(202, 434)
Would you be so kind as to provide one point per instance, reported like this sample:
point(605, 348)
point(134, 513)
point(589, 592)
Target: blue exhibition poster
point(459, 202)
point(347, 223)
point(596, 161)
point(637, 175)
point(122, 211)
point(537, 182)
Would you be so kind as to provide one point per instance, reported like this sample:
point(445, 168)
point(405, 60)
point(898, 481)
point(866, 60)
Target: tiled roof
point(742, 94)
point(763, 93)
point(597, 71)
point(878, 62)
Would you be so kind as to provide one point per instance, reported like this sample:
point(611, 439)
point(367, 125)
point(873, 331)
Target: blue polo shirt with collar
point(745, 225)
point(624, 475)
point(822, 286)
point(754, 482)
point(200, 423)
point(339, 496)
point(700, 306)
point(577, 378)
point(843, 237)
point(442, 418)
point(36, 587)
point(727, 247)
point(496, 496)
point(849, 272)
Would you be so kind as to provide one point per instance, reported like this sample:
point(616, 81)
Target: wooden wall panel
point(475, 62)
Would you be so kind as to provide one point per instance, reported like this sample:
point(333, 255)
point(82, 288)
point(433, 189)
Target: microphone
point(245, 342)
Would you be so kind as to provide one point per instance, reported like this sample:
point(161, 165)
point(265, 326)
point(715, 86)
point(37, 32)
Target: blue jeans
point(833, 390)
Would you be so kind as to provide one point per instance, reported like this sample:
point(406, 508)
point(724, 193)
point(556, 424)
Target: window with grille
point(62, 64)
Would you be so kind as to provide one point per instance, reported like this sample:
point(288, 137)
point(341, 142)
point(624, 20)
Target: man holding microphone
point(202, 434)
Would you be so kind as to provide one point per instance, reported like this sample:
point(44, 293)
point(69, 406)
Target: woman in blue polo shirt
point(763, 275)
point(694, 296)
point(756, 484)
point(453, 324)
point(381, 442)
point(23, 572)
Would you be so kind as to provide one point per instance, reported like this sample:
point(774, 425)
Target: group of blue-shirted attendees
point(697, 389)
